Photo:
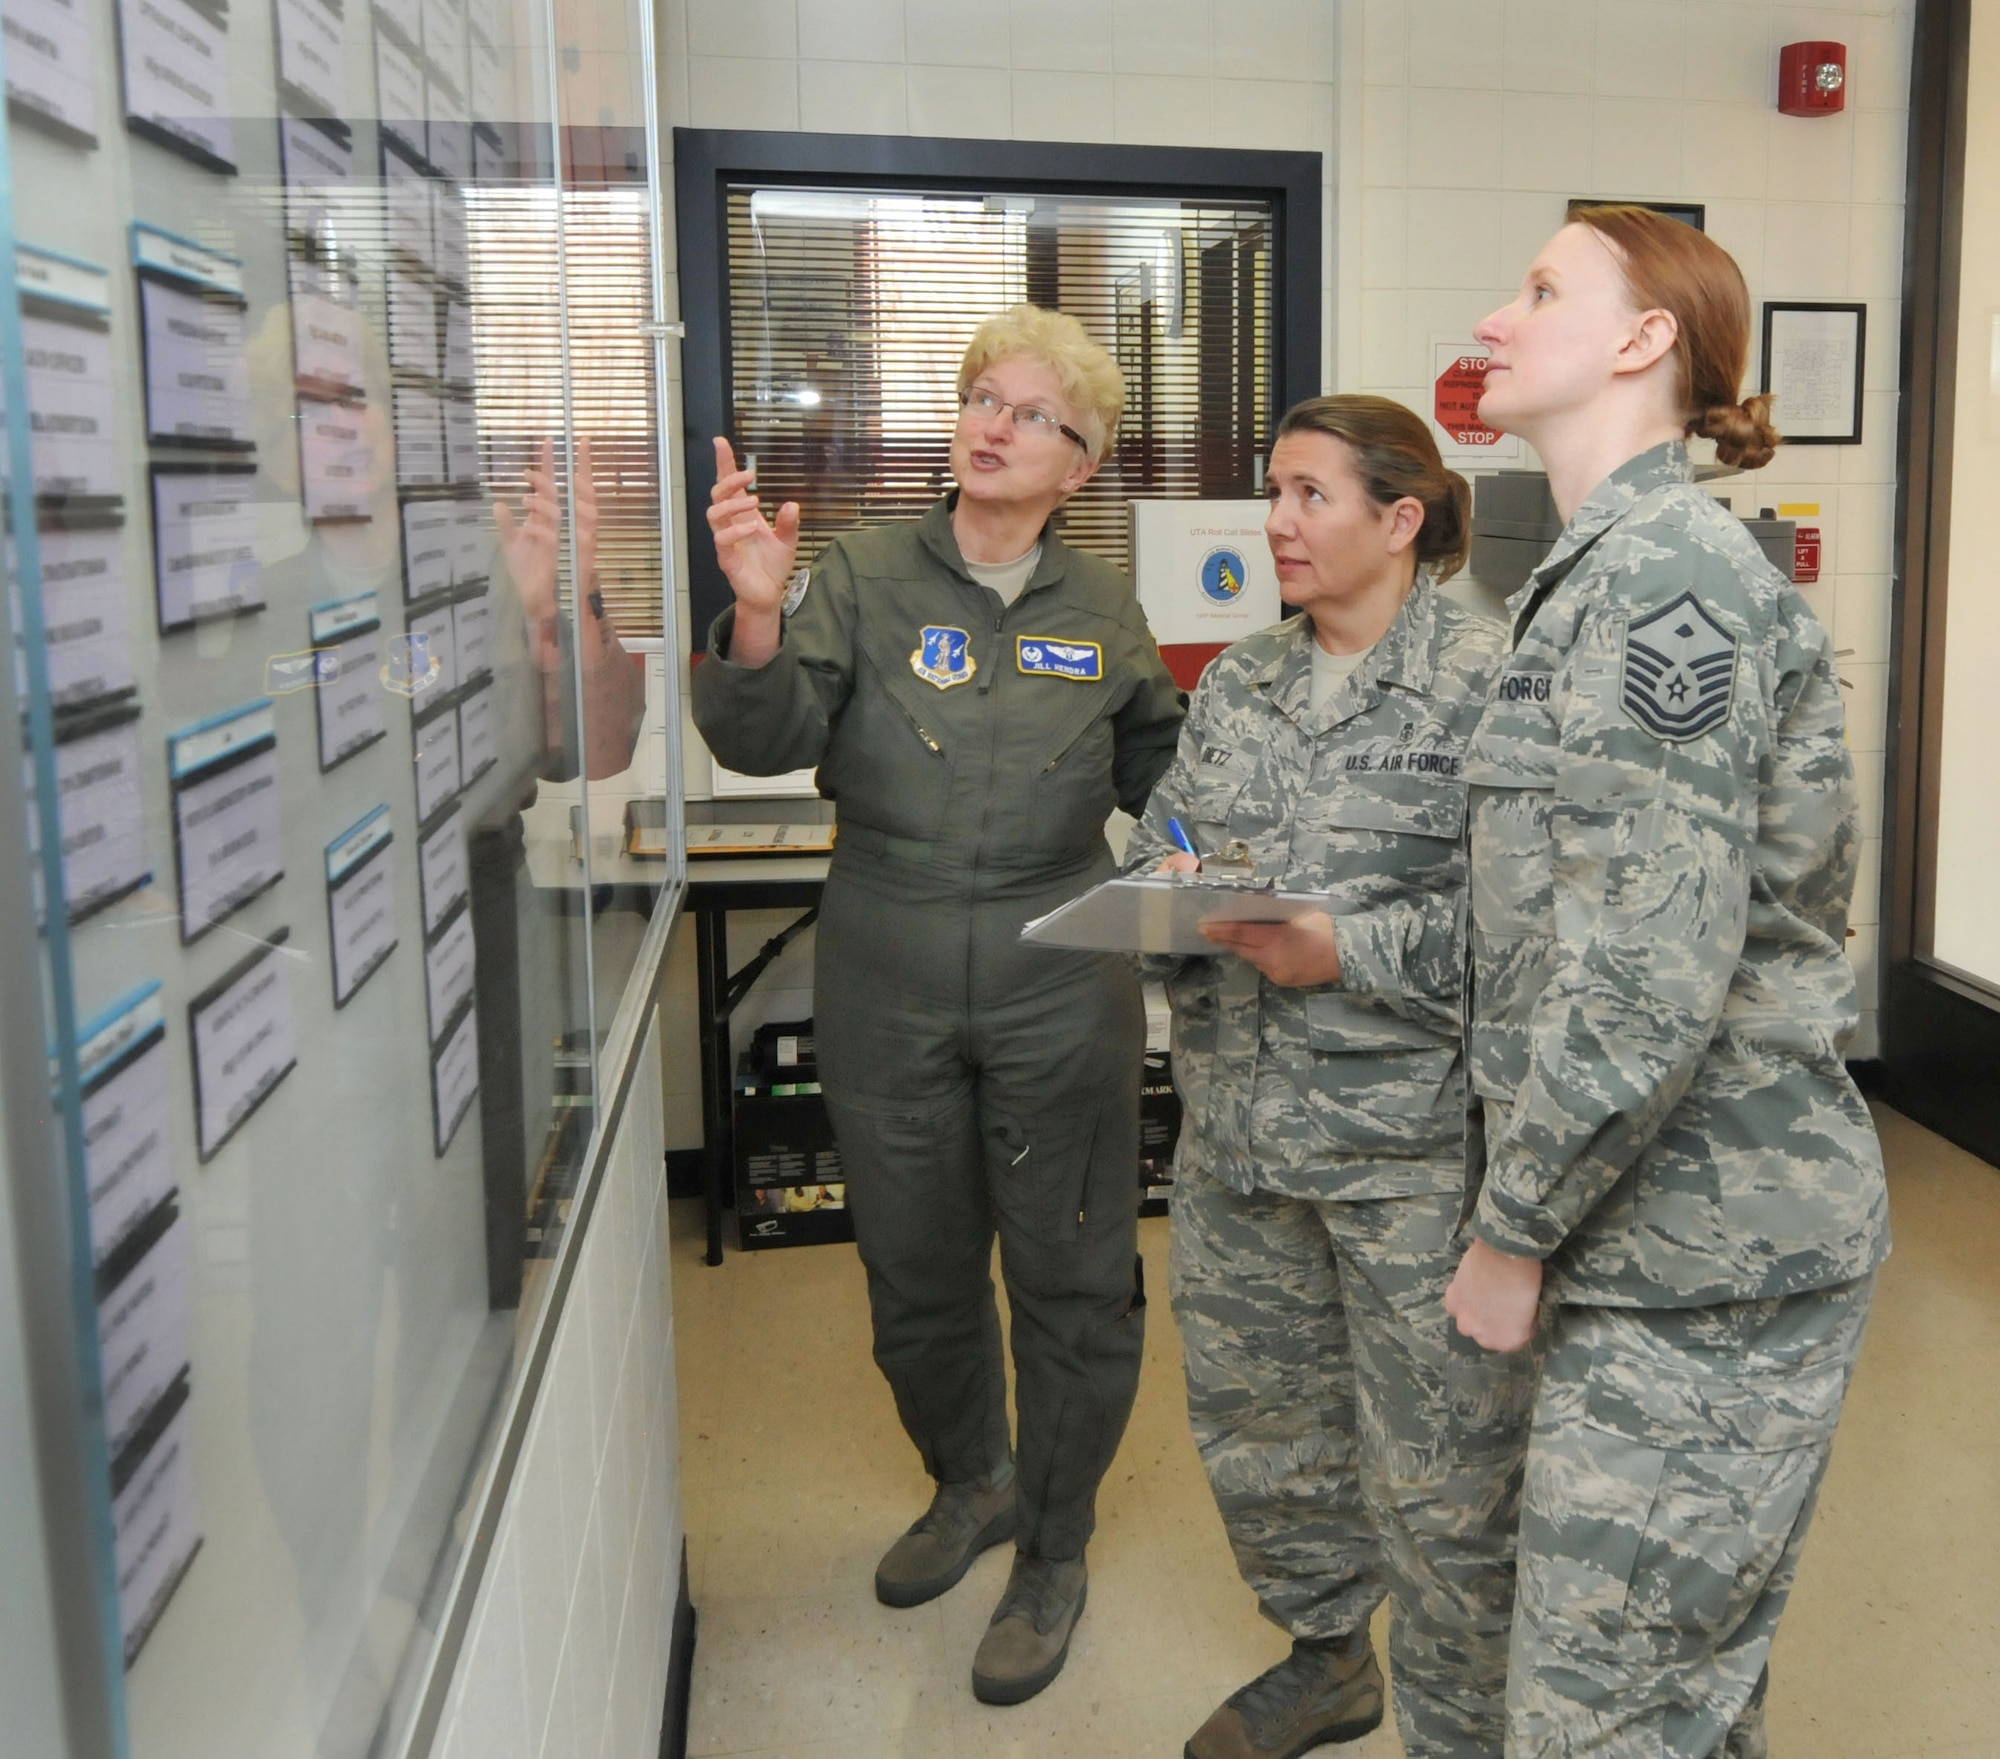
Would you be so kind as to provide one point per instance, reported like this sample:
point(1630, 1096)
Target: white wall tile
point(1636, 148)
point(1279, 118)
point(1805, 250)
point(1385, 42)
point(1454, 239)
point(1384, 358)
point(852, 97)
point(1875, 252)
point(1549, 46)
point(1724, 149)
point(1385, 126)
point(974, 102)
point(585, 1656)
point(1639, 48)
point(1384, 228)
point(1880, 371)
point(1881, 148)
point(734, 93)
point(759, 29)
point(567, 1386)
point(1455, 43)
point(1867, 707)
point(1161, 36)
point(1861, 611)
point(1454, 138)
point(1874, 460)
point(1811, 158)
point(1063, 106)
point(534, 1520)
point(559, 1738)
point(1286, 40)
point(1061, 35)
point(1726, 53)
point(1159, 110)
point(1739, 227)
point(851, 30)
point(970, 33)
point(1866, 528)
point(1545, 142)
point(1866, 910)
point(1868, 793)
point(492, 1715)
point(1878, 60)
point(1527, 222)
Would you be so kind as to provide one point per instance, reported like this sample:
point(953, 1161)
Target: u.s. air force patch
point(943, 656)
point(1679, 672)
point(1082, 660)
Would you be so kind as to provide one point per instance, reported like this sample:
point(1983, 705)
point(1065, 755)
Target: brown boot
point(962, 1521)
point(1028, 1641)
point(1325, 1691)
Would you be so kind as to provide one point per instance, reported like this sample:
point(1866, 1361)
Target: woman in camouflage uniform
point(1663, 844)
point(1355, 1446)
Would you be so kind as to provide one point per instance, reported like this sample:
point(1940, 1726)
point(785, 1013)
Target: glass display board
point(313, 657)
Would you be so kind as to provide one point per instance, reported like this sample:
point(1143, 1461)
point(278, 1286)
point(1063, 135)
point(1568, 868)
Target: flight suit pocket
point(1073, 790)
point(1057, 1172)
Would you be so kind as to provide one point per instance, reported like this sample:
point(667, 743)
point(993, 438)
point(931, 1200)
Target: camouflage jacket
point(1663, 838)
point(986, 742)
point(1353, 1089)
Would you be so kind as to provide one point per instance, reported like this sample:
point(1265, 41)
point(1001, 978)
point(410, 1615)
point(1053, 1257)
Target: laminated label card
point(444, 38)
point(399, 93)
point(157, 1524)
point(50, 49)
point(428, 538)
point(336, 461)
point(72, 370)
point(312, 58)
point(488, 75)
point(459, 362)
point(142, 1323)
point(228, 845)
point(413, 325)
point(461, 441)
point(197, 367)
point(448, 962)
point(471, 542)
point(347, 640)
point(244, 1041)
point(478, 735)
point(101, 811)
point(122, 1065)
point(419, 439)
point(436, 631)
point(441, 869)
point(320, 193)
point(360, 902)
point(436, 765)
point(204, 542)
point(472, 628)
point(455, 1078)
point(406, 198)
point(449, 255)
point(176, 65)
point(326, 327)
point(84, 615)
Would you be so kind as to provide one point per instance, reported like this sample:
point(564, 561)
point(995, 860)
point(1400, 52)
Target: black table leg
point(711, 961)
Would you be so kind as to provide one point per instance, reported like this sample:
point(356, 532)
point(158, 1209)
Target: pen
point(1181, 838)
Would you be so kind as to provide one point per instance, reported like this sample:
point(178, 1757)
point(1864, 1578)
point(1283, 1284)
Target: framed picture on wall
point(1813, 360)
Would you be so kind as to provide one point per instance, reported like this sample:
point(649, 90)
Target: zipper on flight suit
point(920, 729)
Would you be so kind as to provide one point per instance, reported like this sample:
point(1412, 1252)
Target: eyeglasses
point(1026, 415)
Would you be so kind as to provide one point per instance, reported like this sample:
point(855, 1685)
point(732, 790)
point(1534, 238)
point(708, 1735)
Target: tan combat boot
point(1028, 1641)
point(962, 1521)
point(1322, 1693)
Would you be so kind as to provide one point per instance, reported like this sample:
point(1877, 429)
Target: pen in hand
point(1182, 840)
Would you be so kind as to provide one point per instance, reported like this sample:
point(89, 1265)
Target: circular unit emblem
point(1223, 575)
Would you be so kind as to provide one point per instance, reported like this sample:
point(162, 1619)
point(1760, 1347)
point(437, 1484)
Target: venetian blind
point(850, 309)
point(514, 269)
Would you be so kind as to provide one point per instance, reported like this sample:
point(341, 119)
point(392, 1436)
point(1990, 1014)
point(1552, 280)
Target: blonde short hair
point(1089, 377)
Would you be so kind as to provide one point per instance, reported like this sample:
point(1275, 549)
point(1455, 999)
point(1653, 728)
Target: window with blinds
point(514, 264)
point(849, 310)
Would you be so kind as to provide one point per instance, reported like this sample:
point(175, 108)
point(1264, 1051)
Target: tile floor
point(796, 1476)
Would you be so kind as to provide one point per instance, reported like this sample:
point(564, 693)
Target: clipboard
point(1163, 913)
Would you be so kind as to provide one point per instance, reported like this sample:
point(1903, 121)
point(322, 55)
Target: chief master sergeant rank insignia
point(1680, 671)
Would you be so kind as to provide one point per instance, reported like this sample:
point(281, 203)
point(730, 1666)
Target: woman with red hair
point(1672, 1171)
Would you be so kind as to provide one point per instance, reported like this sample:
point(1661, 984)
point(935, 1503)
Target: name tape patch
point(1044, 655)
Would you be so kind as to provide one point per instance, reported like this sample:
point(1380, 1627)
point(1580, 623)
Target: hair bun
point(1742, 432)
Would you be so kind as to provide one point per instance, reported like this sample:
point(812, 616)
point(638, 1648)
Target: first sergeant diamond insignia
point(1679, 673)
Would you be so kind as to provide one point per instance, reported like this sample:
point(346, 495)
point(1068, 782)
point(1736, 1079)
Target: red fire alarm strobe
point(1812, 79)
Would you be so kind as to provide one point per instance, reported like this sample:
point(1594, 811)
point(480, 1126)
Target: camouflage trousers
point(1676, 1458)
point(1356, 1444)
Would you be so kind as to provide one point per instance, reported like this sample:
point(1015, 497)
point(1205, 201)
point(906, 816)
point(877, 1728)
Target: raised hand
point(757, 555)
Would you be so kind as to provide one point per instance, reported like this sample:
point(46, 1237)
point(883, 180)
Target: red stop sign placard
point(1455, 402)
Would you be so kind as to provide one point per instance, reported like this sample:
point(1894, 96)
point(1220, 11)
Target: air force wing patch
point(1679, 673)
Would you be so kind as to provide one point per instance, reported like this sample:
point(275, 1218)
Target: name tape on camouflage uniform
point(1679, 674)
point(1044, 655)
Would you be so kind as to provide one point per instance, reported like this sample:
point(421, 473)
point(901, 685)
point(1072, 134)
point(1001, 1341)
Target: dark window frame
point(1940, 1026)
point(708, 160)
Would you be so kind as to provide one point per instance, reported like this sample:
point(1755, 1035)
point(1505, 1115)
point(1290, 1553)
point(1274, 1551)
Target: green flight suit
point(975, 751)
